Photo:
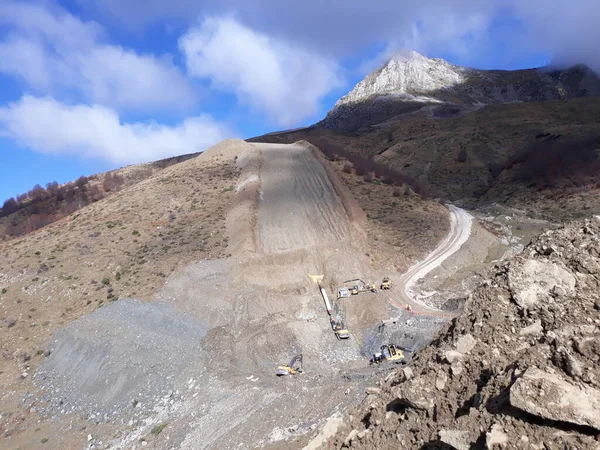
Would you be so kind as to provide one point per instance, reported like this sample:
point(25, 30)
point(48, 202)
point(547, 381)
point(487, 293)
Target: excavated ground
point(518, 369)
point(200, 359)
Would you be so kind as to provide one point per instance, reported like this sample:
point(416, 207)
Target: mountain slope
point(410, 81)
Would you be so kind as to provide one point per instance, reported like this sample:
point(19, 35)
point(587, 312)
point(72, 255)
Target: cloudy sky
point(90, 85)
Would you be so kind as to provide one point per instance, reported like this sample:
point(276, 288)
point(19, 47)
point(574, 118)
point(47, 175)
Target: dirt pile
point(518, 369)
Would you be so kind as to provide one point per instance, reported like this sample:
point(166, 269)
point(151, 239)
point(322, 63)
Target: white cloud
point(567, 30)
point(48, 126)
point(56, 53)
point(279, 78)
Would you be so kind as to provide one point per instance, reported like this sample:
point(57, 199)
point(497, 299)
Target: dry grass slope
point(122, 246)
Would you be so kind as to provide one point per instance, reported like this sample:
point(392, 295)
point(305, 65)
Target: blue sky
point(91, 85)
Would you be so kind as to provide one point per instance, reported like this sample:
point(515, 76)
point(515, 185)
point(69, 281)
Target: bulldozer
point(340, 331)
point(360, 286)
point(386, 284)
point(293, 368)
point(390, 352)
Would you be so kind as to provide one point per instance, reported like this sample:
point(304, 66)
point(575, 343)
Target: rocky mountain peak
point(407, 72)
point(409, 81)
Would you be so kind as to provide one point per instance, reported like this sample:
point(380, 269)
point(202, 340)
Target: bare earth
point(212, 385)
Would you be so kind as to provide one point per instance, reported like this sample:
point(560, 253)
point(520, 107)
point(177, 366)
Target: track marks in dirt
point(298, 207)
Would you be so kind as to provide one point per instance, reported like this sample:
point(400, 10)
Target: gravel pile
point(128, 356)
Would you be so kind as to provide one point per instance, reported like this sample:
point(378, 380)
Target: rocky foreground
point(520, 368)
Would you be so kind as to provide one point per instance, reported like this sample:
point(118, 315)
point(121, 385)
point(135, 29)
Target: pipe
point(327, 304)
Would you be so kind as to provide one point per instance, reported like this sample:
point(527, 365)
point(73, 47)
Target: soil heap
point(520, 368)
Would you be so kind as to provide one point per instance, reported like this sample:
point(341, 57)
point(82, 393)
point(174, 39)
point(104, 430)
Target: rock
point(457, 369)
point(452, 356)
point(597, 305)
point(415, 394)
point(350, 437)
point(534, 329)
point(551, 397)
point(408, 373)
point(455, 438)
point(465, 344)
point(496, 437)
point(588, 346)
point(440, 380)
point(363, 434)
point(570, 365)
point(532, 282)
point(373, 391)
point(10, 322)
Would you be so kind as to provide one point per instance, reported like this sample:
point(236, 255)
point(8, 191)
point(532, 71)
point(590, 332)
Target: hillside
point(41, 206)
point(125, 245)
point(183, 292)
point(496, 154)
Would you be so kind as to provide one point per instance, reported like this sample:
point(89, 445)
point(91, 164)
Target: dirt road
point(460, 229)
point(299, 207)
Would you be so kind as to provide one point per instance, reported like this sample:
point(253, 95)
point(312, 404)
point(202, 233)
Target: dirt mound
point(518, 369)
point(120, 359)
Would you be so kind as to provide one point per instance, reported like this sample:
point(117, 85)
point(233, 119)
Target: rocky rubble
point(520, 368)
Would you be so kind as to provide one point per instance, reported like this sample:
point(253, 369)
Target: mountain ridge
point(409, 81)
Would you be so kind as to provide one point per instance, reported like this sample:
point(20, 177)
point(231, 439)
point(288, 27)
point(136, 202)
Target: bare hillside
point(123, 246)
point(541, 157)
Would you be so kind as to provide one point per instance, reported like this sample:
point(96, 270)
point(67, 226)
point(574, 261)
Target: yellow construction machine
point(390, 352)
point(340, 331)
point(386, 283)
point(294, 367)
point(360, 286)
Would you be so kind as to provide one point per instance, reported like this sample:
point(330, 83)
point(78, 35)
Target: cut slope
point(299, 207)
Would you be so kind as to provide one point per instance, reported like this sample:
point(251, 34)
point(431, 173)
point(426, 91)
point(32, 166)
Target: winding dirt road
point(460, 230)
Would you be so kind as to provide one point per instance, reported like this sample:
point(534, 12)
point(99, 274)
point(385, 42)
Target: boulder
point(532, 281)
point(549, 396)
point(415, 394)
point(452, 356)
point(496, 437)
point(455, 438)
point(440, 380)
point(532, 330)
point(465, 344)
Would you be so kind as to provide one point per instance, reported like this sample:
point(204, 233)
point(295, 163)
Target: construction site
point(260, 349)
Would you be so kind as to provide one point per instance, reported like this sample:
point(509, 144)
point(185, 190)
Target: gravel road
point(460, 230)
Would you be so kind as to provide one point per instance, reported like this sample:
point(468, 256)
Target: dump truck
point(340, 331)
point(386, 283)
point(293, 368)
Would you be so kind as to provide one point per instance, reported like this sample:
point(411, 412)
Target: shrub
point(347, 168)
point(105, 281)
point(158, 429)
point(461, 156)
point(10, 206)
point(397, 192)
point(369, 177)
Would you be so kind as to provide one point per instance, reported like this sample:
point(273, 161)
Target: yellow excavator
point(360, 286)
point(294, 367)
point(390, 352)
